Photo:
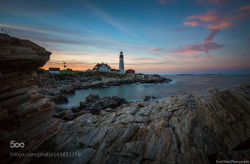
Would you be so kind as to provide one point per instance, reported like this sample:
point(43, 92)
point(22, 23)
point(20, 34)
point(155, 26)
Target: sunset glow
point(163, 36)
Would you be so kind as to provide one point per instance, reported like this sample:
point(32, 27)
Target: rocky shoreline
point(57, 86)
point(199, 127)
point(93, 104)
point(53, 85)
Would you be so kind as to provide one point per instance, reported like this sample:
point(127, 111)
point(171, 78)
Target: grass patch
point(41, 71)
point(71, 74)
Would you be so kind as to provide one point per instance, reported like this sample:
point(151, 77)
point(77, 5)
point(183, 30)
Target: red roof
point(54, 69)
point(98, 66)
point(117, 70)
point(130, 71)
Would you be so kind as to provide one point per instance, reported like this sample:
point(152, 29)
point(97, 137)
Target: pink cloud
point(199, 47)
point(210, 37)
point(192, 23)
point(206, 46)
point(216, 19)
point(162, 2)
point(211, 1)
point(221, 25)
point(208, 17)
point(236, 16)
point(247, 7)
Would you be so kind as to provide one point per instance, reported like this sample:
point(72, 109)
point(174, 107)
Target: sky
point(156, 36)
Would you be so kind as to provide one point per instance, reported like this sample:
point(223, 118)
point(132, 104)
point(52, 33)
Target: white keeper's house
point(102, 67)
point(106, 68)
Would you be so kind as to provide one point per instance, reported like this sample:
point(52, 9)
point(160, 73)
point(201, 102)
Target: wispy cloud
point(212, 1)
point(99, 12)
point(206, 46)
point(192, 23)
point(247, 7)
point(210, 37)
point(71, 38)
point(216, 19)
point(162, 2)
point(148, 61)
point(210, 16)
point(198, 47)
point(221, 25)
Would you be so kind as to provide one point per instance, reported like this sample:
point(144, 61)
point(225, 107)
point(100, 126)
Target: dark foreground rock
point(197, 127)
point(149, 98)
point(93, 104)
point(60, 99)
point(25, 115)
point(68, 90)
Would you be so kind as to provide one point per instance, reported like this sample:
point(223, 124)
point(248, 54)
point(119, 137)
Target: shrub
point(40, 71)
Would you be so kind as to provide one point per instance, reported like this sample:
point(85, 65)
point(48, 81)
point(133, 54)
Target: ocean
point(180, 84)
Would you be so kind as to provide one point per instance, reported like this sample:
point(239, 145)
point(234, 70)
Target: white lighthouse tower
point(121, 63)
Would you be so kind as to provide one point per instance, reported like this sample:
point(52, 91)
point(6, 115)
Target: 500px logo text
point(14, 144)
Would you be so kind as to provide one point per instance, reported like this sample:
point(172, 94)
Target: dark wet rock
point(56, 115)
point(149, 98)
point(76, 109)
point(68, 90)
point(93, 104)
point(60, 99)
point(240, 155)
point(59, 109)
point(92, 97)
point(154, 79)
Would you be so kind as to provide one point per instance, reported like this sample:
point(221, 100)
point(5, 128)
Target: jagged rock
point(68, 90)
point(153, 79)
point(25, 114)
point(93, 104)
point(149, 98)
point(76, 109)
point(92, 97)
point(188, 128)
point(56, 115)
point(60, 99)
point(17, 54)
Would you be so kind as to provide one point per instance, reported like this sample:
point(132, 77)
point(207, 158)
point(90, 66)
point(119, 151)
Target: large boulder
point(17, 54)
point(60, 99)
point(92, 97)
point(95, 104)
point(68, 90)
point(25, 114)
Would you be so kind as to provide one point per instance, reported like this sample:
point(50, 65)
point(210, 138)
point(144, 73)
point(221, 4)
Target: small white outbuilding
point(54, 70)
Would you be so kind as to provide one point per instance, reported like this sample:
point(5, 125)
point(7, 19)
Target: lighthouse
point(121, 63)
